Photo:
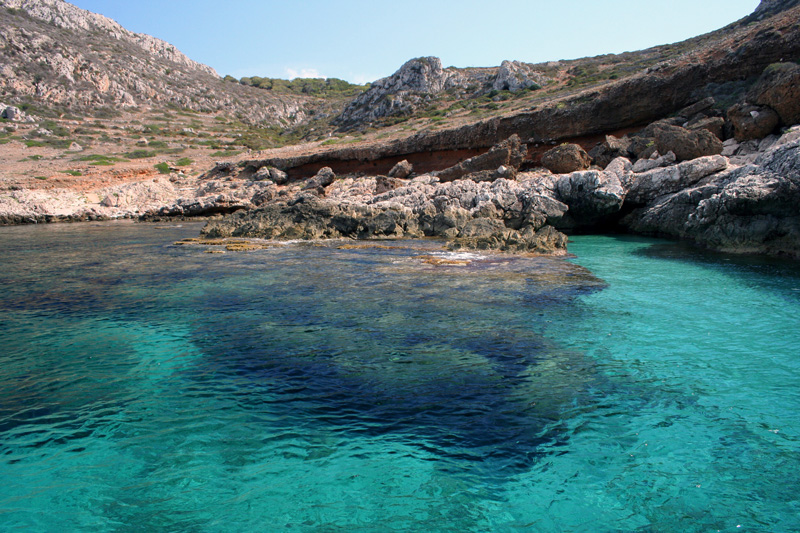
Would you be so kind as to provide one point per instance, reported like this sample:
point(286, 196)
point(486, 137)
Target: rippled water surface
point(640, 386)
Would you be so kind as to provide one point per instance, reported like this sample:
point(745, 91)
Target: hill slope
point(56, 55)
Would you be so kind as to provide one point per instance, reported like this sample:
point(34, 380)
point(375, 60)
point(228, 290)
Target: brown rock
point(565, 159)
point(509, 153)
point(685, 144)
point(610, 149)
point(715, 125)
point(703, 106)
point(322, 179)
point(752, 122)
point(384, 184)
point(779, 89)
point(401, 170)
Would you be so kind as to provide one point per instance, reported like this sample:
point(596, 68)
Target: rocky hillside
point(419, 83)
point(56, 56)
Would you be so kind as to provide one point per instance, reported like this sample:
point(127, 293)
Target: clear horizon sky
point(361, 41)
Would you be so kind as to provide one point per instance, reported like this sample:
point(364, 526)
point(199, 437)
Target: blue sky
point(363, 40)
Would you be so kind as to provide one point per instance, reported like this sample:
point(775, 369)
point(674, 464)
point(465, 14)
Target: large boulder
point(752, 122)
point(566, 158)
point(779, 89)
point(591, 195)
point(401, 170)
point(610, 149)
point(715, 125)
point(508, 154)
point(685, 144)
point(278, 176)
point(322, 179)
point(10, 113)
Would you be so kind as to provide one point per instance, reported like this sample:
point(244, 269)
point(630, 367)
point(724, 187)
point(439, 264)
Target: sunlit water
point(640, 386)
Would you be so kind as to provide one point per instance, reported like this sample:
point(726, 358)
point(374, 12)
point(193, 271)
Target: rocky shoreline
point(743, 199)
point(742, 203)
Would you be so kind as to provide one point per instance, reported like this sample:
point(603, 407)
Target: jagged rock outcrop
point(410, 88)
point(516, 76)
point(751, 209)
point(647, 186)
point(503, 215)
point(592, 195)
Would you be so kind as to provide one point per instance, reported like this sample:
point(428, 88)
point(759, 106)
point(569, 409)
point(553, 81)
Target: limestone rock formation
point(747, 209)
point(591, 195)
point(321, 179)
point(401, 170)
point(402, 93)
point(502, 215)
point(515, 76)
point(610, 149)
point(685, 144)
point(647, 186)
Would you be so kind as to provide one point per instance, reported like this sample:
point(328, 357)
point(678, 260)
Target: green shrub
point(226, 153)
point(183, 162)
point(140, 154)
point(163, 168)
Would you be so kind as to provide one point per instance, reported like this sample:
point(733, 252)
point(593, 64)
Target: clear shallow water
point(145, 386)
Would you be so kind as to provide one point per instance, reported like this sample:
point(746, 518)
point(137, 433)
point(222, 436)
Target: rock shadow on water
point(380, 360)
point(764, 270)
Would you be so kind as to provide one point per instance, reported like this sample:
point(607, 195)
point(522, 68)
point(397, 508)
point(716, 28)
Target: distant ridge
point(55, 55)
point(65, 15)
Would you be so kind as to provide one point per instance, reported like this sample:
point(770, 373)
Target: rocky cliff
point(54, 54)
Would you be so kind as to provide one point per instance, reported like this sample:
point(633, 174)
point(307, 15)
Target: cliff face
point(55, 54)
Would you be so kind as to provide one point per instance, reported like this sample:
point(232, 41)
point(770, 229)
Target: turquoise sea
point(640, 385)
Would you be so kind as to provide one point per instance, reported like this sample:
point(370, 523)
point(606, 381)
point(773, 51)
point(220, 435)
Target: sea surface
point(640, 385)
